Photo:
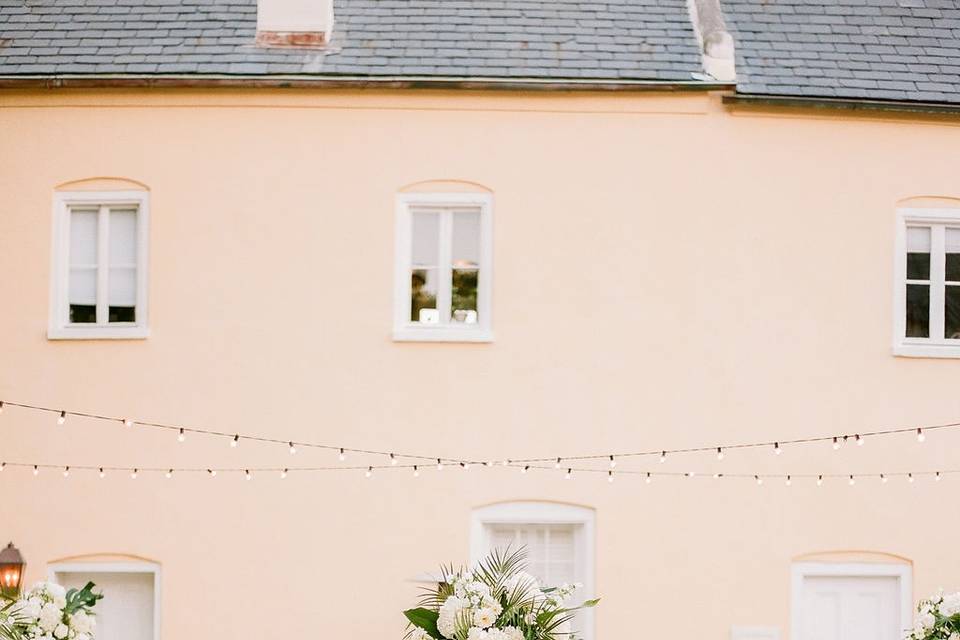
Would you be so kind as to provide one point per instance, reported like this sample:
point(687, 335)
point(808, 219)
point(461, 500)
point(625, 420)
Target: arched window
point(559, 539)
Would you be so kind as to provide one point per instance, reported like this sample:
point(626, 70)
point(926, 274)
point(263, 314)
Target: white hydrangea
point(448, 614)
point(50, 616)
point(950, 605)
point(81, 622)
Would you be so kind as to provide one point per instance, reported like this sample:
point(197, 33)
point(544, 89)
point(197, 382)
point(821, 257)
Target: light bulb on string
point(393, 460)
point(343, 455)
point(556, 465)
point(836, 443)
point(663, 456)
point(3, 465)
point(610, 476)
point(283, 474)
point(717, 476)
point(416, 471)
point(921, 436)
point(938, 477)
point(62, 417)
point(168, 474)
point(613, 463)
point(439, 464)
point(776, 448)
point(212, 472)
point(690, 474)
point(66, 472)
point(127, 422)
point(789, 481)
point(465, 465)
point(235, 441)
point(649, 478)
point(505, 463)
point(369, 472)
point(1, 406)
point(133, 474)
point(182, 435)
point(759, 480)
point(568, 474)
point(36, 470)
point(852, 481)
point(719, 453)
point(248, 475)
point(525, 469)
point(292, 448)
point(860, 440)
point(910, 478)
point(102, 473)
point(820, 481)
point(883, 478)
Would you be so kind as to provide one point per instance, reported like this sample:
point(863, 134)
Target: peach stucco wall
point(668, 273)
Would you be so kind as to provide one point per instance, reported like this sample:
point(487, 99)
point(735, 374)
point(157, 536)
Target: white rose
point(50, 616)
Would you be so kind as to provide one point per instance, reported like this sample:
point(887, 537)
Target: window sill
point(931, 350)
point(441, 334)
point(98, 333)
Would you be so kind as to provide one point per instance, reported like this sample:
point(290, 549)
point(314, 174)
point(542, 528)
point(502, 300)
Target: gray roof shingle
point(862, 49)
point(544, 39)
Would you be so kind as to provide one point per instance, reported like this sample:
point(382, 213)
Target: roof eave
point(849, 104)
point(56, 81)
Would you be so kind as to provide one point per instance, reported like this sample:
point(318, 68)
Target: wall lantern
point(11, 571)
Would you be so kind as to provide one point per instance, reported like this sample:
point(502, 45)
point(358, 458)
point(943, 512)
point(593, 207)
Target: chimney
point(716, 43)
point(294, 23)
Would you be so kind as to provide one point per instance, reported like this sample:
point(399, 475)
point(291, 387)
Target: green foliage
point(79, 598)
point(424, 619)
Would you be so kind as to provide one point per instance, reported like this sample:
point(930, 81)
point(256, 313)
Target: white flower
point(50, 616)
point(61, 631)
point(512, 633)
point(447, 619)
point(950, 604)
point(484, 618)
point(417, 634)
point(476, 633)
point(926, 620)
point(82, 622)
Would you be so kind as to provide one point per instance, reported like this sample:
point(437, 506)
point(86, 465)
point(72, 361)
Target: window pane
point(918, 253)
point(952, 313)
point(123, 237)
point(918, 311)
point(953, 255)
point(466, 239)
point(423, 296)
point(83, 313)
point(83, 286)
point(122, 287)
point(425, 237)
point(463, 300)
point(123, 314)
point(83, 237)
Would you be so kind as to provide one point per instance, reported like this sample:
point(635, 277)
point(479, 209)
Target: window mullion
point(103, 264)
point(445, 272)
point(937, 282)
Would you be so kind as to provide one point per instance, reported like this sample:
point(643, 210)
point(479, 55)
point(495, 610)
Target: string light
point(690, 474)
point(393, 460)
point(776, 448)
point(439, 464)
point(613, 463)
point(283, 474)
point(133, 474)
point(759, 480)
point(836, 443)
point(247, 474)
point(102, 473)
point(910, 478)
point(884, 479)
point(789, 481)
point(860, 440)
point(369, 472)
point(127, 422)
point(852, 481)
point(465, 465)
point(609, 476)
point(212, 473)
point(36, 470)
point(525, 469)
point(292, 449)
point(168, 474)
point(3, 465)
point(416, 472)
point(343, 455)
point(235, 441)
point(62, 417)
point(557, 464)
point(938, 476)
point(505, 463)
point(719, 453)
point(649, 478)
point(921, 436)
point(717, 476)
point(1, 406)
point(66, 472)
point(182, 436)
point(568, 474)
point(663, 457)
point(820, 481)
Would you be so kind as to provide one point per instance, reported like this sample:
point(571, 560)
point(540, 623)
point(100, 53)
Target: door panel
point(850, 608)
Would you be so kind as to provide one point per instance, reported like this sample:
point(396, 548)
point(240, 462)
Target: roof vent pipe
point(716, 43)
point(294, 23)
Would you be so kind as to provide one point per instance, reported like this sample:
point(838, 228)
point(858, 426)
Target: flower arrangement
point(497, 600)
point(938, 618)
point(50, 612)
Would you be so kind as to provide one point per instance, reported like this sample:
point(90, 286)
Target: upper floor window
point(99, 265)
point(443, 267)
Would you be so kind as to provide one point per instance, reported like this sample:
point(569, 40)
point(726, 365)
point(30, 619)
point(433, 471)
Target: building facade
point(624, 250)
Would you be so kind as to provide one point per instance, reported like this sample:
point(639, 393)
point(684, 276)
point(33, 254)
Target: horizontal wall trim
point(850, 104)
point(349, 82)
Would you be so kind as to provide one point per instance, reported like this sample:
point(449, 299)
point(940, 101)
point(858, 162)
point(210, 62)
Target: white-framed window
point(559, 540)
point(927, 320)
point(444, 267)
point(130, 608)
point(854, 601)
point(99, 270)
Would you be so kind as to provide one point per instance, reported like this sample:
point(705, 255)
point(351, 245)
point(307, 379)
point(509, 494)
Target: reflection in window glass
point(953, 255)
point(952, 313)
point(918, 311)
point(423, 296)
point(918, 253)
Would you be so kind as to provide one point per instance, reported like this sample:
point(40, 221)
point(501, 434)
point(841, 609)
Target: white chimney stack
point(294, 23)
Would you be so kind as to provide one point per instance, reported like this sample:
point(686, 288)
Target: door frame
point(801, 570)
point(115, 567)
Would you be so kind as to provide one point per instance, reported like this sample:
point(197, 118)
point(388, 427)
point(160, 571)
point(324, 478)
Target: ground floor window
point(129, 609)
point(851, 601)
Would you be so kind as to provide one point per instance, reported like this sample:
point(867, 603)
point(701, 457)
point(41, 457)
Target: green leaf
point(590, 603)
point(425, 619)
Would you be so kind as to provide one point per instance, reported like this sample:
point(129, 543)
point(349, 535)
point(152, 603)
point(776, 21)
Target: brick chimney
point(294, 23)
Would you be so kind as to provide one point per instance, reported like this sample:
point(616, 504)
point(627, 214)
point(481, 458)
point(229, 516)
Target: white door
point(126, 610)
point(850, 608)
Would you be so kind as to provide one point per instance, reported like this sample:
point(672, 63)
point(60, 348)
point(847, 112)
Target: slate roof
point(863, 49)
point(543, 39)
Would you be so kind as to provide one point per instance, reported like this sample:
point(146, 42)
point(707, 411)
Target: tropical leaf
point(424, 619)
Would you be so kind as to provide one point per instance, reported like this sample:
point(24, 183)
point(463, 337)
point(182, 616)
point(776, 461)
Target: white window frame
point(532, 512)
point(932, 347)
point(115, 567)
point(59, 326)
point(403, 329)
point(802, 570)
